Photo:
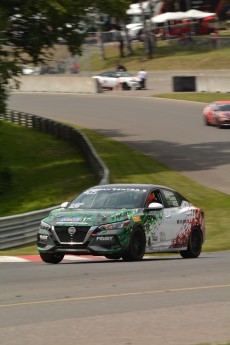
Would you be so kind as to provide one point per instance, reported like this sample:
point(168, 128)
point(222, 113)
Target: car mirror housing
point(154, 206)
point(64, 204)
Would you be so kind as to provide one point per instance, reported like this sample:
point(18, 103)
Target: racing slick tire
point(51, 258)
point(136, 248)
point(125, 86)
point(113, 256)
point(219, 125)
point(194, 245)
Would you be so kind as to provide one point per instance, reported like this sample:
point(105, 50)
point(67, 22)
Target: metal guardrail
point(21, 229)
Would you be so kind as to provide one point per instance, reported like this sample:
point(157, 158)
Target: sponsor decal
point(183, 221)
point(137, 219)
point(43, 237)
point(94, 191)
point(104, 239)
point(74, 219)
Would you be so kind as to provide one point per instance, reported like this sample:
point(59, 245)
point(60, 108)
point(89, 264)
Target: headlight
point(114, 226)
point(45, 226)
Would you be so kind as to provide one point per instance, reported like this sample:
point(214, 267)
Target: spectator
point(75, 68)
point(120, 68)
point(142, 74)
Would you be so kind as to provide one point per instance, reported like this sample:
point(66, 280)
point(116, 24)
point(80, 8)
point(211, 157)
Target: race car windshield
point(224, 107)
point(109, 198)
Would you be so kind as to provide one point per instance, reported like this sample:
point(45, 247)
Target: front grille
point(64, 236)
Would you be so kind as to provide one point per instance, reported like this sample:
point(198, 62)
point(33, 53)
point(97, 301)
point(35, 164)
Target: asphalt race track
point(159, 301)
point(173, 132)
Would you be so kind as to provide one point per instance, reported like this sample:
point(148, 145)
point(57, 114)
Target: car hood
point(89, 217)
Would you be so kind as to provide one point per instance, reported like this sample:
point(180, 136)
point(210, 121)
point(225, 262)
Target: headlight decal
point(45, 226)
point(114, 226)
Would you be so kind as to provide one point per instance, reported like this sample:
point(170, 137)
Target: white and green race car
point(122, 221)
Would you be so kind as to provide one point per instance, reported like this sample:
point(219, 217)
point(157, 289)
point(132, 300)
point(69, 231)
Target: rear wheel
point(113, 256)
point(51, 258)
point(194, 245)
point(136, 249)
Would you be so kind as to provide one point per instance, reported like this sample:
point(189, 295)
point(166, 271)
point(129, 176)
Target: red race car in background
point(217, 114)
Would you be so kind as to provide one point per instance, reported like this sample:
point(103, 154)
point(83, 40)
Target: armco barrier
point(21, 229)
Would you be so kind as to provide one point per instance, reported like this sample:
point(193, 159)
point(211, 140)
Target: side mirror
point(64, 204)
point(154, 206)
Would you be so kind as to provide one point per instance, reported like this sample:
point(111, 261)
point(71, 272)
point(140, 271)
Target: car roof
point(132, 185)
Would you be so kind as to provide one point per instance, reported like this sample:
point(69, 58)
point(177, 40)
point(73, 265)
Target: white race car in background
point(115, 79)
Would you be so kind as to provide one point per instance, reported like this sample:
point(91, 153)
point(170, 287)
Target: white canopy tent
point(195, 14)
point(191, 14)
point(165, 17)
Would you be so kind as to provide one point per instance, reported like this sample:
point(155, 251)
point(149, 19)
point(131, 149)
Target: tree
point(29, 27)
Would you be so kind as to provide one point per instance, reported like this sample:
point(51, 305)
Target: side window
point(172, 198)
point(154, 196)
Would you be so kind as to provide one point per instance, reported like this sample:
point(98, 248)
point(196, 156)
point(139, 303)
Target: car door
point(153, 223)
point(108, 80)
point(176, 220)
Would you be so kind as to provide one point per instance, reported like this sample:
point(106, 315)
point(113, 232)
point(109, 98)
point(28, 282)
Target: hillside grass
point(165, 58)
point(43, 170)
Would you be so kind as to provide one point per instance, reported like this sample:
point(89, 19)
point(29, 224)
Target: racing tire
point(206, 122)
point(219, 125)
point(125, 86)
point(136, 248)
point(194, 245)
point(51, 258)
point(113, 256)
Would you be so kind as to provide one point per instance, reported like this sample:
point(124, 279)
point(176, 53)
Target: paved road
point(170, 131)
point(160, 301)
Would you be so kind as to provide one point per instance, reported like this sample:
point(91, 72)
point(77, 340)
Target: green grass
point(44, 171)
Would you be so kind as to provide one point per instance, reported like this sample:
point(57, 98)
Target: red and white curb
point(67, 258)
point(36, 258)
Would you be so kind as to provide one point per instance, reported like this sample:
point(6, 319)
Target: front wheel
point(125, 86)
point(136, 249)
point(194, 245)
point(51, 258)
point(206, 122)
point(219, 125)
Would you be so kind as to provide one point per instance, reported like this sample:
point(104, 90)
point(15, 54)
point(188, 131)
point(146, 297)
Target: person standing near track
point(142, 74)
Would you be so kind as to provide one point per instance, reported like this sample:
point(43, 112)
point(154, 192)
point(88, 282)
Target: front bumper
point(95, 242)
